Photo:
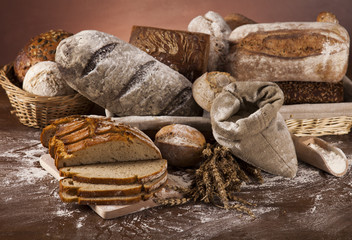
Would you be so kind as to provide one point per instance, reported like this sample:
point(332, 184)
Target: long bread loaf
point(122, 78)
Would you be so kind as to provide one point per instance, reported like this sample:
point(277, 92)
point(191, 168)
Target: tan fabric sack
point(246, 120)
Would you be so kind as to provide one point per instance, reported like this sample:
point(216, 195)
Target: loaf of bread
point(81, 189)
point(291, 51)
point(213, 24)
point(181, 145)
point(312, 92)
point(327, 17)
point(44, 79)
point(122, 78)
point(183, 51)
point(121, 172)
point(40, 48)
point(86, 140)
point(206, 87)
point(235, 20)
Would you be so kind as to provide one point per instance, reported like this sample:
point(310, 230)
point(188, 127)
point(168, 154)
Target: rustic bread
point(213, 24)
point(122, 78)
point(44, 79)
point(312, 92)
point(80, 189)
point(126, 172)
point(115, 200)
point(183, 51)
point(291, 51)
point(40, 48)
point(327, 17)
point(181, 145)
point(235, 20)
point(206, 87)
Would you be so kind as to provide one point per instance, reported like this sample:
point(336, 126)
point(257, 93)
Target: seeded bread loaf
point(213, 24)
point(86, 140)
point(126, 172)
point(70, 186)
point(291, 51)
point(183, 51)
point(122, 78)
point(40, 48)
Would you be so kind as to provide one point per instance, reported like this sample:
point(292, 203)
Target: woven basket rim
point(9, 86)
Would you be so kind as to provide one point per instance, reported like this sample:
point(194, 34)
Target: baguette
point(122, 78)
point(291, 51)
point(80, 189)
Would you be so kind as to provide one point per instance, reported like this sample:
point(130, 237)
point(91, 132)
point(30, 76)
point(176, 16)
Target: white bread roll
point(291, 51)
point(44, 79)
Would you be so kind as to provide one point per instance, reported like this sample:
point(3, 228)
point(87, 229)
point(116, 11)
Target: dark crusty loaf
point(122, 78)
point(183, 51)
point(82, 189)
point(40, 48)
point(312, 92)
point(123, 172)
point(86, 140)
point(292, 51)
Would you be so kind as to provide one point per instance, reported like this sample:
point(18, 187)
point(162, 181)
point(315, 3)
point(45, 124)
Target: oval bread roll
point(122, 78)
point(181, 145)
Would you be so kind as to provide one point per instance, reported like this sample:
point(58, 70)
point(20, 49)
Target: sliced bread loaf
point(85, 140)
point(72, 187)
point(125, 172)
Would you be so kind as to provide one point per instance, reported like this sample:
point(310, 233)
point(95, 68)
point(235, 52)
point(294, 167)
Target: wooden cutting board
point(114, 211)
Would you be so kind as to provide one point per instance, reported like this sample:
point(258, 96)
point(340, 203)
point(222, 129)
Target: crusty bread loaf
point(235, 20)
point(181, 145)
point(207, 86)
point(126, 172)
point(327, 17)
point(213, 24)
point(44, 79)
point(115, 200)
point(87, 140)
point(122, 78)
point(81, 189)
point(312, 92)
point(40, 48)
point(185, 52)
point(291, 51)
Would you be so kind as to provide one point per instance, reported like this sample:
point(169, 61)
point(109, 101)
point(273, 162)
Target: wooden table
point(314, 205)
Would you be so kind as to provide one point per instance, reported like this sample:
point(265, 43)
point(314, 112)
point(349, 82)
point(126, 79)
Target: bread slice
point(114, 200)
point(126, 172)
point(89, 140)
point(72, 187)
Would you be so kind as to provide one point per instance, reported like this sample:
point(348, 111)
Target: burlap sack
point(246, 120)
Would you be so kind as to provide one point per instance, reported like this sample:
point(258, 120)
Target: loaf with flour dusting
point(291, 51)
point(122, 78)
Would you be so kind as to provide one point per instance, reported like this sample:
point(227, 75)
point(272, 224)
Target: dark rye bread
point(70, 186)
point(122, 78)
point(311, 92)
point(291, 51)
point(183, 51)
point(87, 140)
point(40, 48)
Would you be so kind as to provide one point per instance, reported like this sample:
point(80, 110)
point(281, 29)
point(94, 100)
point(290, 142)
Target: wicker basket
point(37, 111)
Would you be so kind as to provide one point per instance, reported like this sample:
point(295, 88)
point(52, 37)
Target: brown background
point(22, 19)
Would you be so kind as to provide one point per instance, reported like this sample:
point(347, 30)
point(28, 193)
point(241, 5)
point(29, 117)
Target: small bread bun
point(207, 86)
point(44, 79)
point(40, 48)
point(181, 145)
point(327, 17)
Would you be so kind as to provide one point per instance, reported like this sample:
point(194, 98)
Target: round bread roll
point(327, 17)
point(44, 79)
point(181, 145)
point(40, 48)
point(207, 86)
